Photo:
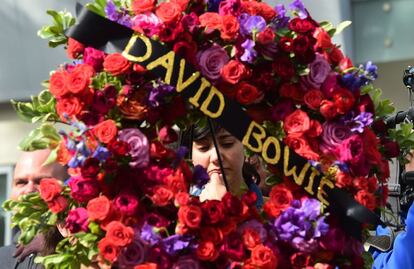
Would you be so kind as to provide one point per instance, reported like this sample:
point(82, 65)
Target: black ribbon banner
point(103, 34)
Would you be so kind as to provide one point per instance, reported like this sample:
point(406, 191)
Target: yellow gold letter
point(131, 43)
point(182, 85)
point(211, 94)
point(204, 84)
point(258, 136)
point(276, 143)
point(321, 192)
point(166, 61)
point(309, 188)
point(292, 172)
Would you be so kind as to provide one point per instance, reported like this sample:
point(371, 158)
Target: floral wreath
point(127, 202)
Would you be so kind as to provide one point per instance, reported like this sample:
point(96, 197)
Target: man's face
point(29, 171)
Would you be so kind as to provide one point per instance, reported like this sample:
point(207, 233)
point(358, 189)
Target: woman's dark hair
point(196, 133)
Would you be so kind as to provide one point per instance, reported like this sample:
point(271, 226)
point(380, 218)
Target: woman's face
point(231, 153)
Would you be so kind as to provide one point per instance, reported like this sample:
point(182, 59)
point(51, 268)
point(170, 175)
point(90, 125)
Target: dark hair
point(196, 133)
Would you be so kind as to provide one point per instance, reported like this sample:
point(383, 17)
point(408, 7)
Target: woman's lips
point(218, 171)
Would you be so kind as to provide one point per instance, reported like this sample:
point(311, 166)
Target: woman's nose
point(213, 155)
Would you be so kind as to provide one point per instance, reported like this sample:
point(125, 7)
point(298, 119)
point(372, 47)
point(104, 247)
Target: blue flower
point(362, 120)
point(200, 176)
point(101, 153)
point(175, 243)
point(149, 235)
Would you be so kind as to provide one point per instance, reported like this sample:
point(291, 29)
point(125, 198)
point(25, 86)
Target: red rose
point(57, 83)
point(186, 49)
point(301, 260)
point(169, 32)
point(162, 196)
point(345, 64)
point(190, 216)
point(206, 251)
point(74, 49)
point(344, 100)
point(142, 6)
point(168, 12)
point(313, 99)
point(250, 7)
point(49, 189)
point(283, 67)
point(116, 64)
point(182, 3)
point(266, 37)
point(213, 211)
point(181, 199)
point(69, 106)
point(233, 71)
point(58, 204)
point(336, 55)
point(301, 146)
point(301, 25)
point(343, 180)
point(176, 182)
point(280, 198)
point(266, 11)
point(90, 167)
point(159, 151)
point(148, 265)
point(209, 233)
point(246, 93)
point(366, 199)
point(233, 205)
point(119, 148)
point(230, 28)
point(105, 131)
point(315, 129)
point(210, 20)
point(99, 208)
point(233, 247)
point(365, 104)
point(323, 40)
point(328, 109)
point(108, 250)
point(251, 238)
point(298, 122)
point(79, 79)
point(301, 44)
point(293, 91)
point(119, 234)
point(285, 44)
point(263, 257)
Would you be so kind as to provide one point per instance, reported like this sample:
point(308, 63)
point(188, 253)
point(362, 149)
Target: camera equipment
point(408, 78)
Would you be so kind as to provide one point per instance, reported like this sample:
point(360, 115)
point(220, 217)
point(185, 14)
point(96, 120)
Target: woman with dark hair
point(239, 174)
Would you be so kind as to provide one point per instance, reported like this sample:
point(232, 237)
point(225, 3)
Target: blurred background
point(381, 32)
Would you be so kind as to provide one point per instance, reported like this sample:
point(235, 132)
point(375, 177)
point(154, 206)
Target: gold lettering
point(211, 94)
point(257, 136)
point(182, 85)
point(321, 193)
point(276, 143)
point(166, 61)
point(312, 176)
point(194, 100)
point(292, 172)
point(131, 42)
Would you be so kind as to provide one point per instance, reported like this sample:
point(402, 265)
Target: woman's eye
point(227, 144)
point(203, 148)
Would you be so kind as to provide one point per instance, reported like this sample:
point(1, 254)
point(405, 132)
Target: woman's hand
point(214, 189)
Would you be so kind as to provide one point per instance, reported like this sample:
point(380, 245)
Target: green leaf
point(42, 137)
point(98, 7)
point(341, 26)
point(272, 180)
point(55, 33)
point(326, 25)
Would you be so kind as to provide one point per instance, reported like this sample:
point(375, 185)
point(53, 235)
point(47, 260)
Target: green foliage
point(331, 30)
point(45, 136)
point(273, 180)
point(102, 79)
point(405, 139)
point(40, 109)
point(55, 33)
point(368, 259)
point(383, 107)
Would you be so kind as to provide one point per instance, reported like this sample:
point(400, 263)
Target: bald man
point(28, 173)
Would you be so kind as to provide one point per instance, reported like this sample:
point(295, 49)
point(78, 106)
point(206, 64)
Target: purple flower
point(361, 121)
point(186, 262)
point(139, 146)
point(301, 225)
point(149, 235)
point(77, 220)
point(211, 61)
point(249, 53)
point(126, 203)
point(200, 176)
point(253, 25)
point(319, 70)
point(280, 21)
point(111, 11)
point(134, 254)
point(157, 93)
point(333, 133)
point(176, 243)
point(298, 7)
